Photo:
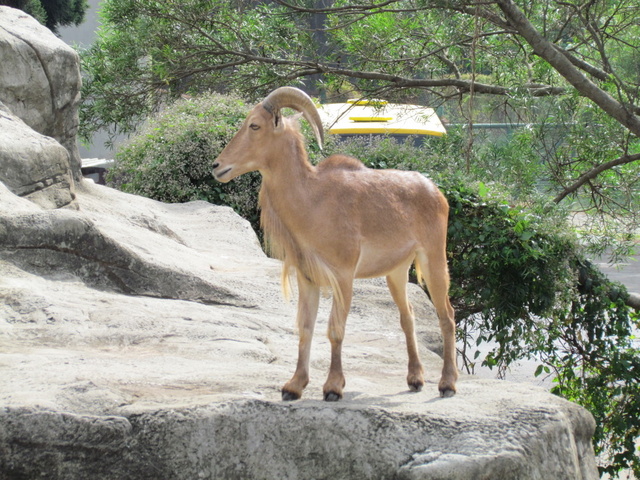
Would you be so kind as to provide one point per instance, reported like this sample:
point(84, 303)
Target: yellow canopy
point(380, 117)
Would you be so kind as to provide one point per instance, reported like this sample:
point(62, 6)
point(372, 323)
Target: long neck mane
point(281, 186)
point(282, 195)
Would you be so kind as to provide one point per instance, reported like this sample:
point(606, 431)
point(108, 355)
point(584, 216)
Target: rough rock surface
point(40, 80)
point(33, 165)
point(149, 341)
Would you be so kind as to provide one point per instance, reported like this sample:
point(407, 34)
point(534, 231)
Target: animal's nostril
point(216, 165)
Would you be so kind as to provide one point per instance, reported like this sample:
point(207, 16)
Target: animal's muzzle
point(218, 175)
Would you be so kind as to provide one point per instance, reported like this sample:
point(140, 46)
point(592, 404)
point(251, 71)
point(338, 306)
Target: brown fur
point(339, 221)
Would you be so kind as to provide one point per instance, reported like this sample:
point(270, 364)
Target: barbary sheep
point(338, 221)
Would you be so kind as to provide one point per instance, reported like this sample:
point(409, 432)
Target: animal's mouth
point(221, 174)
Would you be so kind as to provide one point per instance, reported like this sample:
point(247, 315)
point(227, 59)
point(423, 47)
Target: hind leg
point(397, 282)
point(436, 273)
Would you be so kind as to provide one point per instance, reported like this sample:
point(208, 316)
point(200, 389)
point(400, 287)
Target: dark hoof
point(447, 393)
point(289, 396)
point(332, 397)
point(416, 387)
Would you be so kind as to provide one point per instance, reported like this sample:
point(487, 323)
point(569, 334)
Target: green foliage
point(170, 159)
point(52, 13)
point(509, 262)
point(596, 362)
point(575, 137)
point(148, 53)
point(62, 13)
point(509, 160)
point(32, 7)
point(535, 295)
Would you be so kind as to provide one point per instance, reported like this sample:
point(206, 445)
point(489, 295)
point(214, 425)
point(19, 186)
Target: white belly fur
point(380, 261)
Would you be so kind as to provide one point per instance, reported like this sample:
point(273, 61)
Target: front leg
point(308, 299)
point(334, 385)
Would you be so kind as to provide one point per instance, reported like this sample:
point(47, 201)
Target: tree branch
point(582, 65)
point(593, 173)
point(565, 67)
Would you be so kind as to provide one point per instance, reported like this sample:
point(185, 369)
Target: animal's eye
point(253, 126)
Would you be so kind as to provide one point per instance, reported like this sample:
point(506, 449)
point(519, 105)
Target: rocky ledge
point(145, 340)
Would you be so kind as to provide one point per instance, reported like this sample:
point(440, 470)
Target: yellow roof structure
point(378, 116)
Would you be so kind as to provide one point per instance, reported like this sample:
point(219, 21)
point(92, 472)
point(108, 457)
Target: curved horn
point(291, 97)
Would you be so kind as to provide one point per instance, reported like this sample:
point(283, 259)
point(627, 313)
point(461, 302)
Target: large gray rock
point(149, 341)
point(40, 80)
point(33, 165)
point(484, 433)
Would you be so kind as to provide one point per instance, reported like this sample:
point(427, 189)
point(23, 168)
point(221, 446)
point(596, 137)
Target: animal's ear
point(275, 114)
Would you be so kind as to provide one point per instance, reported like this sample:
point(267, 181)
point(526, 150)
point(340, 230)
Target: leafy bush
point(597, 365)
point(535, 295)
point(171, 158)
